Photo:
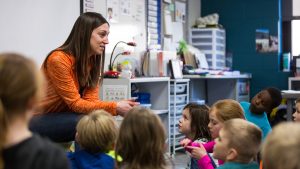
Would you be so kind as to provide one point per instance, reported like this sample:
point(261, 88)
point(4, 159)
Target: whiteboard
point(129, 23)
point(35, 27)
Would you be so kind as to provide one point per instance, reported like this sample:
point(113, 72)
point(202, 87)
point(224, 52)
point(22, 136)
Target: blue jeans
point(58, 127)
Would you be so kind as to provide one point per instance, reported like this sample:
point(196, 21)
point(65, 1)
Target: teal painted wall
point(240, 20)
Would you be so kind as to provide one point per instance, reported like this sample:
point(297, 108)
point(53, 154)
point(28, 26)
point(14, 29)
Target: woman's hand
point(197, 152)
point(124, 106)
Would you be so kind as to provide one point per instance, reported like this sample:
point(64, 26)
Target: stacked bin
point(179, 97)
point(212, 42)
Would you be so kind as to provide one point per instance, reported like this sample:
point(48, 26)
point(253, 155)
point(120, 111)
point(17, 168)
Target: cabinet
point(157, 87)
point(214, 87)
point(179, 97)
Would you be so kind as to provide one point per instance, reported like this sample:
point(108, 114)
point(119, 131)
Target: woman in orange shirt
point(72, 73)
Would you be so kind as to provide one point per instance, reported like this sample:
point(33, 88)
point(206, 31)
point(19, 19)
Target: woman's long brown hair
point(88, 69)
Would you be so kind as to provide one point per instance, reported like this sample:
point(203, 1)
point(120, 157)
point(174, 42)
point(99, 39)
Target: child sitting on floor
point(296, 114)
point(142, 141)
point(238, 144)
point(194, 125)
point(220, 112)
point(280, 149)
point(96, 135)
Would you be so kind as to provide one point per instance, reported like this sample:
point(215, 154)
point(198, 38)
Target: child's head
point(296, 114)
point(222, 111)
point(238, 141)
point(281, 147)
point(97, 132)
point(266, 100)
point(194, 121)
point(141, 141)
point(21, 85)
point(20, 90)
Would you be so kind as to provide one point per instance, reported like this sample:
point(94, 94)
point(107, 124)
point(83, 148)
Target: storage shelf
point(157, 87)
point(179, 97)
point(160, 111)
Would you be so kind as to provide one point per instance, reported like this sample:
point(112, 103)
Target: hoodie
point(84, 160)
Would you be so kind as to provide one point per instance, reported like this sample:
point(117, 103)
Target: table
point(212, 88)
point(290, 96)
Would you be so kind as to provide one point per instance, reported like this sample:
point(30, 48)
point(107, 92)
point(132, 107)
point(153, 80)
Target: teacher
point(72, 74)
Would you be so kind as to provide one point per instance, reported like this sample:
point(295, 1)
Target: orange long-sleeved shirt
point(62, 90)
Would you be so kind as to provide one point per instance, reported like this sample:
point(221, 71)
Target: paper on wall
point(168, 23)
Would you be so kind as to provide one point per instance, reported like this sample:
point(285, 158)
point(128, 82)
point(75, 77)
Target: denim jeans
point(58, 127)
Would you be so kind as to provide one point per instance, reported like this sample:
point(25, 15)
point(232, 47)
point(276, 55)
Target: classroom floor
point(180, 160)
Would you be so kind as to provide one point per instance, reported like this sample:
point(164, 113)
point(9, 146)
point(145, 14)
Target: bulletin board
point(127, 19)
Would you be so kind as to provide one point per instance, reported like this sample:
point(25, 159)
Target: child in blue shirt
point(263, 102)
point(96, 135)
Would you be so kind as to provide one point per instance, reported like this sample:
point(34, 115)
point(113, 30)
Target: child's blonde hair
point(141, 141)
point(281, 148)
point(20, 82)
point(97, 132)
point(245, 137)
point(227, 109)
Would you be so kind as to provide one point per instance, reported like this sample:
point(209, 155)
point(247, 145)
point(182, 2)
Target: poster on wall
point(265, 42)
point(125, 7)
point(180, 12)
point(113, 11)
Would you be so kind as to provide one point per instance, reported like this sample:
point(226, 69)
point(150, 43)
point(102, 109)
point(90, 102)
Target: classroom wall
point(241, 19)
point(35, 27)
point(194, 11)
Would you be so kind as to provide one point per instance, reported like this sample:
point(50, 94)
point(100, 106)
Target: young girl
point(20, 90)
point(96, 135)
point(141, 141)
point(296, 114)
point(220, 112)
point(194, 125)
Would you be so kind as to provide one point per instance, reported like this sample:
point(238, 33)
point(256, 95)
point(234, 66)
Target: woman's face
point(99, 39)
point(214, 124)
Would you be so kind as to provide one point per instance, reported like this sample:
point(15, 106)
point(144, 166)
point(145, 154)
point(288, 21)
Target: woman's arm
point(61, 75)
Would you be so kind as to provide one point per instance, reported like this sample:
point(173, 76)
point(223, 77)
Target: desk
point(212, 88)
point(290, 96)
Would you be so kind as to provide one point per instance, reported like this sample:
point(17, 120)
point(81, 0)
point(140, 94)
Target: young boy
point(281, 149)
point(263, 102)
point(296, 114)
point(237, 145)
point(96, 135)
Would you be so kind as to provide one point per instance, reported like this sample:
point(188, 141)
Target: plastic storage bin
point(180, 99)
point(180, 88)
point(211, 41)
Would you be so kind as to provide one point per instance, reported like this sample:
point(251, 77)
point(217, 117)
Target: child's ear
point(77, 138)
point(231, 155)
